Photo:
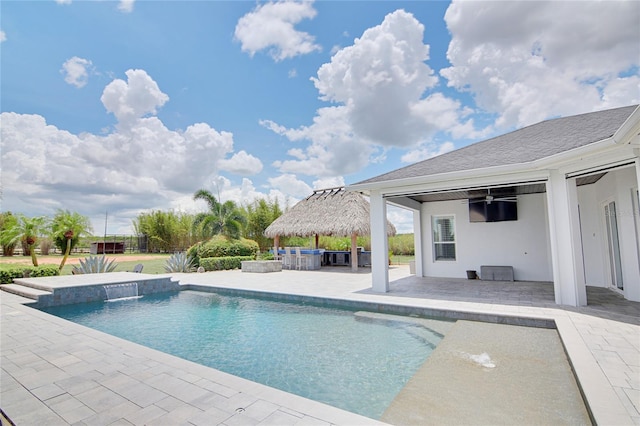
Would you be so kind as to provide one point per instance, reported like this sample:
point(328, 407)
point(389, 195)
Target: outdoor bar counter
point(315, 258)
point(343, 258)
point(312, 258)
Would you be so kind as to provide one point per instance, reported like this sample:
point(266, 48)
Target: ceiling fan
point(490, 198)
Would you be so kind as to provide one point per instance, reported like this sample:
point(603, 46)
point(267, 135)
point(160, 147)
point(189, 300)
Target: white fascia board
point(601, 154)
point(490, 176)
point(628, 132)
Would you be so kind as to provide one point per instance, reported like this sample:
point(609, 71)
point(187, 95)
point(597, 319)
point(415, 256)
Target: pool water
point(320, 353)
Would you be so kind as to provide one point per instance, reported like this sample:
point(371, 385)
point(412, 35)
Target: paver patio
point(57, 372)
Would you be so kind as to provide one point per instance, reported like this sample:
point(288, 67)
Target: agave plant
point(94, 265)
point(179, 262)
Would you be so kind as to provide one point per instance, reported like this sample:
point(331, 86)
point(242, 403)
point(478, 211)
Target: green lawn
point(154, 265)
point(401, 260)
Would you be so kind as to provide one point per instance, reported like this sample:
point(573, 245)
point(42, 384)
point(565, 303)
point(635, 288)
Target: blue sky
point(128, 106)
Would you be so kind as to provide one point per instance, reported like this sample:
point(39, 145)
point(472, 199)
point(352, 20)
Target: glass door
point(613, 243)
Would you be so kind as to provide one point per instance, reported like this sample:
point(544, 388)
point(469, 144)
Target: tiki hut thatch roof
point(333, 211)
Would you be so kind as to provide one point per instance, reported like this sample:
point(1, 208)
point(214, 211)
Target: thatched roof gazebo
point(333, 211)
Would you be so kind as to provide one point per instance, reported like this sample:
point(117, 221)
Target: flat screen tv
point(481, 210)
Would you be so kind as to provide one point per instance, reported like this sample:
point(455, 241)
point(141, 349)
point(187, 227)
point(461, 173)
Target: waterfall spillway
point(121, 291)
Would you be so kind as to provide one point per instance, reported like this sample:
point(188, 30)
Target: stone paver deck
point(57, 372)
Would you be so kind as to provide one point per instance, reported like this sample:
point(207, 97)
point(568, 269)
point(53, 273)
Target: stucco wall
point(522, 244)
point(615, 186)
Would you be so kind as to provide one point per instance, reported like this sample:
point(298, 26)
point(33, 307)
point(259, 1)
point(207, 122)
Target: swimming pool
point(325, 354)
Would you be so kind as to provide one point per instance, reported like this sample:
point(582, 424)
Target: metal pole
point(104, 241)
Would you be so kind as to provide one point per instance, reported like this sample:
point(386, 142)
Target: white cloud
point(379, 85)
point(146, 164)
point(76, 71)
point(3, 36)
point(528, 61)
point(271, 26)
point(132, 99)
point(427, 151)
point(293, 73)
point(291, 185)
point(332, 182)
point(401, 218)
point(126, 6)
point(333, 151)
point(241, 164)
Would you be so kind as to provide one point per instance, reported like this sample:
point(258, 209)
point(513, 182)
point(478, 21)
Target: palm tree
point(7, 221)
point(222, 218)
point(27, 230)
point(67, 228)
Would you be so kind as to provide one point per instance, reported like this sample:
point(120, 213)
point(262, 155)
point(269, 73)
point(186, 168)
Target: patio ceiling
point(503, 191)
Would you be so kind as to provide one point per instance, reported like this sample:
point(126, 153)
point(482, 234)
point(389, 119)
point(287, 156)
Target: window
point(444, 237)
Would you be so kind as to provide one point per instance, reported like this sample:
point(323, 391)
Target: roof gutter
point(629, 130)
point(528, 170)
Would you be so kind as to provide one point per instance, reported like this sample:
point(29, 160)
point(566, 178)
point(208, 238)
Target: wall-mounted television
point(483, 210)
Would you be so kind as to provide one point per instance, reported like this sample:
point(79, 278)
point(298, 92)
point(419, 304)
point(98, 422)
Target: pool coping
point(603, 404)
point(309, 411)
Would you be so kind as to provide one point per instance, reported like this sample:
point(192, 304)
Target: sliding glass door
point(613, 243)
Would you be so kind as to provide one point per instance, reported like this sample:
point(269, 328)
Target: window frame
point(436, 238)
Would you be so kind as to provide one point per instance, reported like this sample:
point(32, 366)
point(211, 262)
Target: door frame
point(614, 276)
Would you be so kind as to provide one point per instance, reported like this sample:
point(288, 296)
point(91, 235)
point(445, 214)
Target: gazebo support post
point(354, 252)
point(317, 241)
point(276, 245)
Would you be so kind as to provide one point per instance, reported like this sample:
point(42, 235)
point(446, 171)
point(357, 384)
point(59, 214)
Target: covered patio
point(601, 302)
point(556, 201)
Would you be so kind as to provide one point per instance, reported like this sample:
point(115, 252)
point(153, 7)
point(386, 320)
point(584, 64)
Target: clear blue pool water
point(320, 353)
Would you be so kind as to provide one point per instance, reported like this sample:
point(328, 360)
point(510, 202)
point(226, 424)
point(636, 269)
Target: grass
point(154, 265)
point(398, 259)
point(150, 266)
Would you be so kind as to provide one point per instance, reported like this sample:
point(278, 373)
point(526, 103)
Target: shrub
point(221, 246)
point(265, 255)
point(402, 244)
point(223, 263)
point(10, 273)
point(45, 271)
point(193, 253)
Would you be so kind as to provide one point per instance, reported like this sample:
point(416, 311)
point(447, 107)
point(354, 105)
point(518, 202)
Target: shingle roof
point(528, 144)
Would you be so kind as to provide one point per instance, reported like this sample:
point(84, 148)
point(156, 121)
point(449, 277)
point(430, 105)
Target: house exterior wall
point(618, 186)
point(523, 244)
point(592, 230)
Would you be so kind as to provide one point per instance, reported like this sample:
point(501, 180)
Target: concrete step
point(33, 283)
point(24, 291)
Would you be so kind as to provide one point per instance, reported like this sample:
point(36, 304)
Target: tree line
point(166, 231)
point(63, 231)
point(169, 231)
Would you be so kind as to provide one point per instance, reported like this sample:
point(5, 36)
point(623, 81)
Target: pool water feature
point(325, 354)
point(121, 291)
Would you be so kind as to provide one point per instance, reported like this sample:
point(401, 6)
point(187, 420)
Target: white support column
point(566, 246)
point(379, 243)
point(637, 161)
point(634, 292)
point(417, 241)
